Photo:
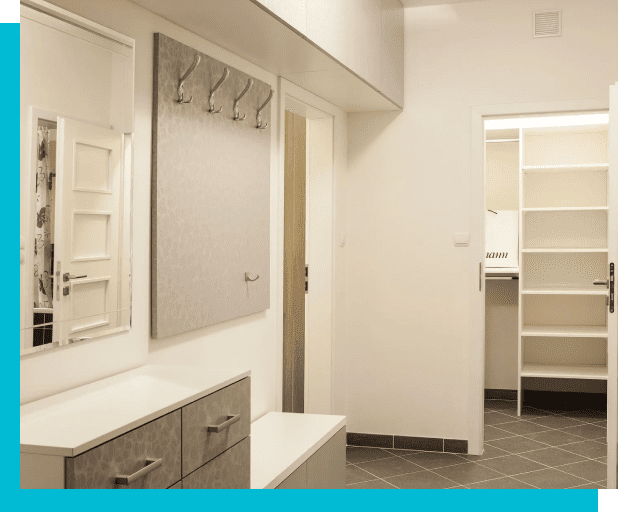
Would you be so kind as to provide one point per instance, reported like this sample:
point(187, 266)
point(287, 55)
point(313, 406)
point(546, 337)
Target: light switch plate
point(461, 239)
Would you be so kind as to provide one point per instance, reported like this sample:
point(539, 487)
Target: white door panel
point(90, 178)
point(612, 323)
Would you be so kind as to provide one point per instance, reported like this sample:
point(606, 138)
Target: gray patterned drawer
point(230, 470)
point(124, 455)
point(198, 444)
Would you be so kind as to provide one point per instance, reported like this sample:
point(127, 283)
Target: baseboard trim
point(426, 444)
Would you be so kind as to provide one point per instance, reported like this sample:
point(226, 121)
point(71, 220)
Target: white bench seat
point(281, 443)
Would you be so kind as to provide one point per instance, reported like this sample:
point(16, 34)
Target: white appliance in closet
point(501, 242)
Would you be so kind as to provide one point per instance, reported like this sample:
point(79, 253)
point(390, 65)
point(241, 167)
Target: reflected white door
point(612, 319)
point(89, 176)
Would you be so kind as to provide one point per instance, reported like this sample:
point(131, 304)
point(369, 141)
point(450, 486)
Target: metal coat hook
point(259, 119)
point(247, 278)
point(181, 92)
point(236, 115)
point(211, 99)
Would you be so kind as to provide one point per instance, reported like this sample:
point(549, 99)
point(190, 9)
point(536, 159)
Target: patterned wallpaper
point(210, 194)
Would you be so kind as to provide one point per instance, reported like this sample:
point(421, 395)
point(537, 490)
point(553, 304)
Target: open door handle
point(610, 285)
point(67, 277)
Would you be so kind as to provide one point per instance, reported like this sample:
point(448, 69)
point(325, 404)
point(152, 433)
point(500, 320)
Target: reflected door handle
point(67, 277)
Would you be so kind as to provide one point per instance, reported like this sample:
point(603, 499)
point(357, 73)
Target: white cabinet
point(365, 39)
point(145, 428)
point(391, 60)
point(293, 12)
point(327, 26)
point(366, 36)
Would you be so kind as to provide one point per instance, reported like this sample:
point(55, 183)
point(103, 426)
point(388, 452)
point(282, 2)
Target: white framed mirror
point(76, 108)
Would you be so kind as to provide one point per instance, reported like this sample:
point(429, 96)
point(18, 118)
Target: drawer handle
point(151, 465)
point(230, 421)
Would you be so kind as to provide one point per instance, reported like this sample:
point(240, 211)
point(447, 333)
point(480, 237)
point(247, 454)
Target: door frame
point(476, 359)
point(288, 89)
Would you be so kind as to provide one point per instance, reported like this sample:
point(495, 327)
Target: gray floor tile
point(495, 418)
point(586, 415)
point(400, 452)
point(554, 437)
point(590, 449)
point(468, 473)
point(550, 479)
point(511, 465)
point(431, 460)
point(602, 424)
point(421, 480)
point(458, 487)
point(590, 470)
point(522, 427)
point(553, 457)
point(354, 474)
point(393, 466)
point(501, 405)
point(501, 483)
point(557, 422)
point(587, 431)
point(489, 452)
point(372, 484)
point(527, 413)
point(517, 444)
point(492, 433)
point(602, 459)
point(590, 486)
point(356, 454)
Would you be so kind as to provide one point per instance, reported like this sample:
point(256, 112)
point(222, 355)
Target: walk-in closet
point(548, 282)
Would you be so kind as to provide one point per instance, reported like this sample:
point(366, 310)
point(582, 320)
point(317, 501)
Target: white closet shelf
point(565, 331)
point(565, 167)
point(564, 372)
point(568, 209)
point(575, 250)
point(567, 290)
point(501, 271)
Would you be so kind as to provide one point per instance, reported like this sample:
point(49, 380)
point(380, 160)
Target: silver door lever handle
point(600, 282)
point(67, 277)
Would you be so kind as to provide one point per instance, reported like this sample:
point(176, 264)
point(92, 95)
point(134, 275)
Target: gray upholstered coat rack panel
point(210, 194)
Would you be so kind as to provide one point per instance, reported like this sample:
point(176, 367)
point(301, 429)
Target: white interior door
point(89, 176)
point(612, 323)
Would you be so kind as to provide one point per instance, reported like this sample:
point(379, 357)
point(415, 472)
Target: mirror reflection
point(75, 183)
point(80, 261)
point(45, 191)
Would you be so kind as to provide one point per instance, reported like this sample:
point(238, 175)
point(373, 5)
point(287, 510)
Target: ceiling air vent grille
point(547, 23)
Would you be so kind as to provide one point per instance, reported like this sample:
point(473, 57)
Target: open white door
point(612, 315)
point(89, 176)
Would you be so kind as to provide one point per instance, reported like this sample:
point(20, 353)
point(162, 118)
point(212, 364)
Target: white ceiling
point(420, 3)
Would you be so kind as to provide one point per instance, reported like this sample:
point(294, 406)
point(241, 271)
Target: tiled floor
point(542, 449)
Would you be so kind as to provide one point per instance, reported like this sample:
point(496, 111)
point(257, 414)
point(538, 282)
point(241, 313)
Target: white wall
point(248, 342)
point(408, 188)
point(501, 297)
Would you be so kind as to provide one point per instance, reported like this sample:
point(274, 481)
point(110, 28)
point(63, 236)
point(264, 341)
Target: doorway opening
point(307, 258)
point(545, 284)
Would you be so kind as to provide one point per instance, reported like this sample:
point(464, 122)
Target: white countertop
point(74, 421)
point(281, 442)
